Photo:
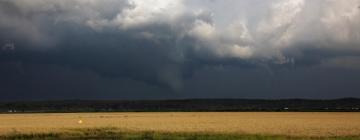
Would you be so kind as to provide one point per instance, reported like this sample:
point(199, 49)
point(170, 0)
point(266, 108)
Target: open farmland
point(248, 123)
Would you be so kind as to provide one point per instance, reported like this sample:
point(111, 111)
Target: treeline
point(348, 104)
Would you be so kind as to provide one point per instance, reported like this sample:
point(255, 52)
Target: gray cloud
point(165, 43)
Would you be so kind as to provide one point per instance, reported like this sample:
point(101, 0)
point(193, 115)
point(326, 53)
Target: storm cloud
point(179, 49)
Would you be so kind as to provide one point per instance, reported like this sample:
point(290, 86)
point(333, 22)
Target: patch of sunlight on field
point(289, 124)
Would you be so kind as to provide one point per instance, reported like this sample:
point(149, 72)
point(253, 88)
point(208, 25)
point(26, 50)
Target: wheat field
point(288, 124)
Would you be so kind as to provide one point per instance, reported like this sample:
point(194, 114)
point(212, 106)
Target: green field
point(113, 133)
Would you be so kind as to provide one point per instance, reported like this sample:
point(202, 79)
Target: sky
point(178, 49)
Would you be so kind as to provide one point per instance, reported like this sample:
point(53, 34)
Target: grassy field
point(209, 125)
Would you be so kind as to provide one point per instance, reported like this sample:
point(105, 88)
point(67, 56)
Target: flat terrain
point(247, 123)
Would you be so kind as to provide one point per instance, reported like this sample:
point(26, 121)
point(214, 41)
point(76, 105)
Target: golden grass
point(289, 124)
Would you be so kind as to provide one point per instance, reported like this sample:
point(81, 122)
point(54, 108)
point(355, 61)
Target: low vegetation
point(182, 126)
point(114, 133)
point(195, 105)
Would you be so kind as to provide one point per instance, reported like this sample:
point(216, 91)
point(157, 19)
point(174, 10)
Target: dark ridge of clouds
point(126, 49)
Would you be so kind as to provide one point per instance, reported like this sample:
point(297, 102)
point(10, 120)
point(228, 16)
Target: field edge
point(115, 133)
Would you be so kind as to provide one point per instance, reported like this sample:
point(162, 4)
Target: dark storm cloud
point(176, 49)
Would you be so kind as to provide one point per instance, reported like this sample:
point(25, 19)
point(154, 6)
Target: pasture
point(312, 125)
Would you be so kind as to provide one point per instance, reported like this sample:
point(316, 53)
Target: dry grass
point(288, 124)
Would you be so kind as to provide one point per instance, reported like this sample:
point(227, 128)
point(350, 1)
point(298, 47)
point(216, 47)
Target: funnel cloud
point(159, 49)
